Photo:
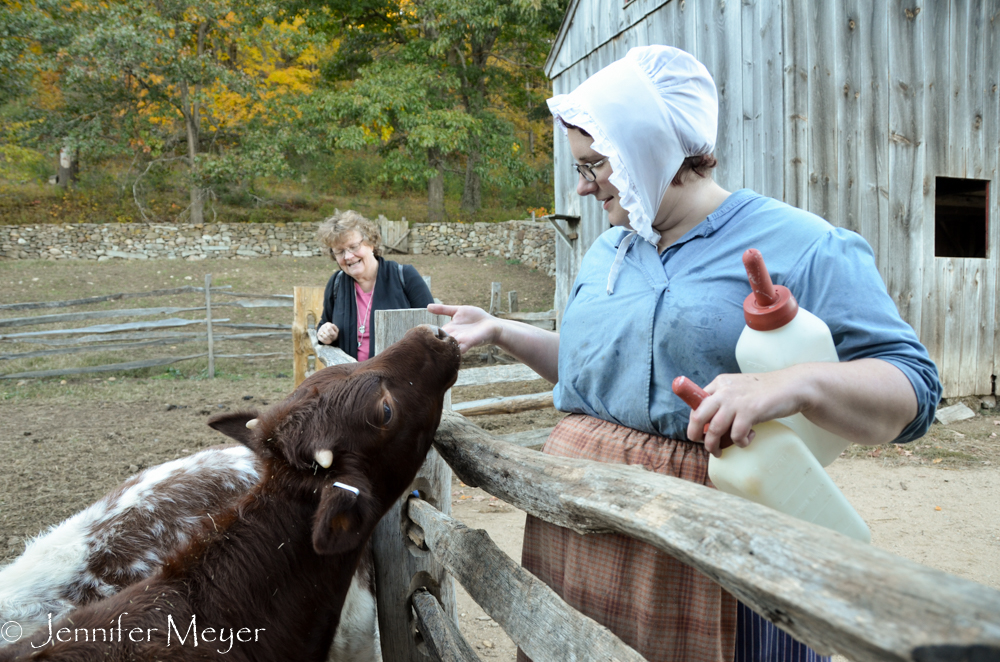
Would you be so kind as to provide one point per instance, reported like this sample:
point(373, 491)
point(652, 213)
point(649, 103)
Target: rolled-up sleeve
point(837, 281)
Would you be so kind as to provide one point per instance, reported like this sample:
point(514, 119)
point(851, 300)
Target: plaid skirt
point(662, 608)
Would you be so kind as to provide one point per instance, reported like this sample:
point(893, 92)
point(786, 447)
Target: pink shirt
point(364, 303)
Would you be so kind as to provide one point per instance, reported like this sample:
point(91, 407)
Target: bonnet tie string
point(616, 266)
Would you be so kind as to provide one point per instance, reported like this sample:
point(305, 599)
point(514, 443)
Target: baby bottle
point(778, 471)
point(780, 334)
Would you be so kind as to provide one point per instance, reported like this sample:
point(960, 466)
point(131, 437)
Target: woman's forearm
point(867, 401)
point(536, 348)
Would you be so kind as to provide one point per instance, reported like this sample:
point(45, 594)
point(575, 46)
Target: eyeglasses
point(587, 169)
point(353, 249)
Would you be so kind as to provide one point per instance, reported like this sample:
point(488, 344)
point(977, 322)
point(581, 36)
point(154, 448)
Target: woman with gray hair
point(365, 283)
point(660, 295)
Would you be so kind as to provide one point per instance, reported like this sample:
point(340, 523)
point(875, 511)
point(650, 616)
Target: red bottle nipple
point(769, 306)
point(692, 395)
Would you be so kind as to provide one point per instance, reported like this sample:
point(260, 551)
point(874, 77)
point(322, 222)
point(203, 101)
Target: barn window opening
point(961, 217)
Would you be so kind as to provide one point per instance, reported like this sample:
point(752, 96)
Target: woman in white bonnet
point(659, 295)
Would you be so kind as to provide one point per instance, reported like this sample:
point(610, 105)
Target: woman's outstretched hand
point(470, 326)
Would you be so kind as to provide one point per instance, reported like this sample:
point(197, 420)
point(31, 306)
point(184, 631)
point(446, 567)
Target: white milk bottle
point(779, 334)
point(778, 471)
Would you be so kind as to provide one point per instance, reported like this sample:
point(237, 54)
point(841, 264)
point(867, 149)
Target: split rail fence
point(832, 592)
point(138, 336)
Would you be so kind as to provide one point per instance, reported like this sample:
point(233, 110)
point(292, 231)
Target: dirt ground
point(65, 442)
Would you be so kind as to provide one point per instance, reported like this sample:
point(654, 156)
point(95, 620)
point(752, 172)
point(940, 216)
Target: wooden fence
point(138, 336)
point(832, 592)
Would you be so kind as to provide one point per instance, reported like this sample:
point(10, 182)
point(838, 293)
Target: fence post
point(400, 567)
point(512, 302)
point(308, 308)
point(208, 322)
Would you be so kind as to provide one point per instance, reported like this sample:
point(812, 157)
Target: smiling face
point(601, 188)
point(355, 256)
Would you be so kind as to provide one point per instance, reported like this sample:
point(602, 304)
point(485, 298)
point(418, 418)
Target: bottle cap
point(769, 306)
point(692, 395)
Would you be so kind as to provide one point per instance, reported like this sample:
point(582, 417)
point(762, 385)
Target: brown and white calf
point(267, 578)
point(127, 535)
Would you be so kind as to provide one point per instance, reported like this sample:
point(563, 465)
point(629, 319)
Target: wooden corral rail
point(832, 592)
point(142, 334)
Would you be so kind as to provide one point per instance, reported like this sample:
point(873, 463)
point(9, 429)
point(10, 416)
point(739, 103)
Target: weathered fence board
point(37, 305)
point(248, 325)
point(112, 367)
point(508, 405)
point(545, 320)
point(829, 591)
point(307, 312)
point(517, 600)
point(494, 374)
point(105, 347)
point(442, 637)
point(127, 326)
point(528, 438)
point(94, 314)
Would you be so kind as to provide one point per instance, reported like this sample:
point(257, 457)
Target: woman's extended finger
point(442, 309)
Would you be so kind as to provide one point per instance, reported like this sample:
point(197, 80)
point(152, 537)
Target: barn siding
point(876, 100)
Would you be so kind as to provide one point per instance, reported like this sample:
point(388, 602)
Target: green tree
point(209, 83)
point(441, 83)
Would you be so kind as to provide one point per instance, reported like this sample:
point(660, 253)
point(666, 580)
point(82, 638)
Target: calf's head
point(352, 437)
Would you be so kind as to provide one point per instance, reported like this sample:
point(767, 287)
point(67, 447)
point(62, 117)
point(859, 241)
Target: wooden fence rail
point(143, 334)
point(832, 592)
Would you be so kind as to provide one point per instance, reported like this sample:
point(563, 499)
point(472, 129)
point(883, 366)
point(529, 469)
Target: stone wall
point(531, 243)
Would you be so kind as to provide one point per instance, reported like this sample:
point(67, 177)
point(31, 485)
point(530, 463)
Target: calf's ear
point(344, 521)
point(235, 426)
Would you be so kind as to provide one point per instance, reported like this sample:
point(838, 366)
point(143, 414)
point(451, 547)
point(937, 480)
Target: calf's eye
point(386, 413)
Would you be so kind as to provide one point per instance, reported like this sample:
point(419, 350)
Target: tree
point(205, 82)
point(439, 82)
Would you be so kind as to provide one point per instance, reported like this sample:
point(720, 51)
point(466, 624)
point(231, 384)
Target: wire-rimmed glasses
point(587, 169)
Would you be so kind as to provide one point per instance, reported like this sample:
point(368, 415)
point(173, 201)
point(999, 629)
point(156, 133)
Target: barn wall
point(876, 100)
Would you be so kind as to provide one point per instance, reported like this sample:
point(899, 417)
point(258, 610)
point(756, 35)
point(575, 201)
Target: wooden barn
point(881, 117)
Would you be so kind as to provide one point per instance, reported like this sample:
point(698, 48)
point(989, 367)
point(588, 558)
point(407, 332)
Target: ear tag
point(342, 486)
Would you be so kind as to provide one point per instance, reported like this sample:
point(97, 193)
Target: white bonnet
point(647, 112)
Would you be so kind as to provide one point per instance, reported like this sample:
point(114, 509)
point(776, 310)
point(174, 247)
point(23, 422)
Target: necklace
point(364, 320)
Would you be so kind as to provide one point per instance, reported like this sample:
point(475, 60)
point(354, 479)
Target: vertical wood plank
point(991, 154)
point(934, 327)
point(872, 65)
point(796, 103)
point(906, 158)
point(729, 146)
point(716, 52)
point(972, 293)
point(937, 72)
point(772, 97)
point(753, 140)
point(958, 84)
point(401, 568)
point(951, 344)
point(307, 310)
point(849, 86)
point(823, 107)
point(763, 130)
point(208, 324)
point(977, 74)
